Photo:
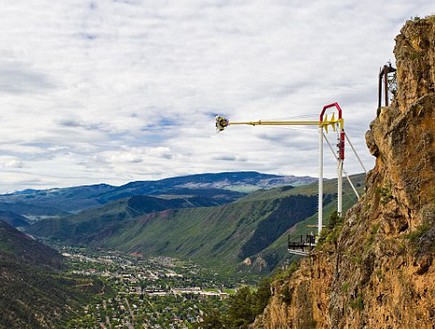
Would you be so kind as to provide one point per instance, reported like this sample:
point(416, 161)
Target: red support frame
point(329, 106)
point(342, 134)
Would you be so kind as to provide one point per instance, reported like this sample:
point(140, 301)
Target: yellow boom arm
point(222, 123)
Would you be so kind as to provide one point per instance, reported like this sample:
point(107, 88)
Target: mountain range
point(218, 188)
point(247, 234)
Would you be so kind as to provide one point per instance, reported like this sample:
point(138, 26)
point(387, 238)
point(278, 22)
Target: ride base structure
point(304, 245)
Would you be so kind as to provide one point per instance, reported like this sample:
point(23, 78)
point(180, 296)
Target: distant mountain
point(225, 236)
point(221, 188)
point(235, 181)
point(53, 202)
point(34, 292)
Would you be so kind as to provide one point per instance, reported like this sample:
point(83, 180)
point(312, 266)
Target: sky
point(113, 91)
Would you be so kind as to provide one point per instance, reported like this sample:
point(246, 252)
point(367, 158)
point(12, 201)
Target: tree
point(240, 312)
point(262, 296)
point(213, 319)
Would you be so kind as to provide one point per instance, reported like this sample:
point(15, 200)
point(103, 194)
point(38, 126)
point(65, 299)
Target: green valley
point(247, 235)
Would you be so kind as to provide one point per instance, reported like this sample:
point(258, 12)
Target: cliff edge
point(376, 269)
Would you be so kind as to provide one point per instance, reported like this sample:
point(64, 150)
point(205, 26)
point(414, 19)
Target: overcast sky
point(115, 91)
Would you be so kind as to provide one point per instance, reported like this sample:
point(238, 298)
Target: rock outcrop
point(377, 268)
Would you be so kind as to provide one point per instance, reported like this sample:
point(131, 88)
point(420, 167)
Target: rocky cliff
point(376, 269)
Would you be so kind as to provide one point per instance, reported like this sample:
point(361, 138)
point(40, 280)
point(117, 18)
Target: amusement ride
point(336, 123)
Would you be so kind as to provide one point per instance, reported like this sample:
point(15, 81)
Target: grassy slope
point(82, 227)
point(204, 234)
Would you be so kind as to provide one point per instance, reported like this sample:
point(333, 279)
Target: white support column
point(320, 211)
point(340, 159)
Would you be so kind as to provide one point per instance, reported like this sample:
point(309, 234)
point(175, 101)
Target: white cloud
point(10, 162)
point(111, 91)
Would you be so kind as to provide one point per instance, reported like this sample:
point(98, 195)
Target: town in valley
point(139, 292)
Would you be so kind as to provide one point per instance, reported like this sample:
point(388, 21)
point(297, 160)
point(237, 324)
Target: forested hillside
point(34, 290)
